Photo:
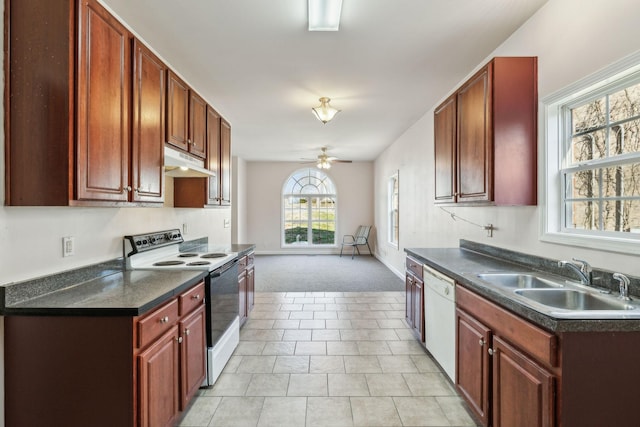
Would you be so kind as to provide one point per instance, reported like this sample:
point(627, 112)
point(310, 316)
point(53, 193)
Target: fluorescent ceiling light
point(324, 15)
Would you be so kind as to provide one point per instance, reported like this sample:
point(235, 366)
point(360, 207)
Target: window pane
point(295, 233)
point(583, 184)
point(621, 215)
point(625, 138)
point(621, 181)
point(589, 116)
point(589, 146)
point(582, 215)
point(625, 104)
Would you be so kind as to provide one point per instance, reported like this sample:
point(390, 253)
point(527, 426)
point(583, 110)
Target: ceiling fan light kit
point(325, 112)
point(324, 15)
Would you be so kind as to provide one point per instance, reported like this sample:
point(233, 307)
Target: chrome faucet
point(624, 286)
point(584, 270)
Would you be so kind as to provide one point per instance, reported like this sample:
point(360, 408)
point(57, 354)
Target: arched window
point(308, 209)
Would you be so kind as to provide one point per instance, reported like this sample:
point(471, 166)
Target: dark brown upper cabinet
point(68, 98)
point(147, 154)
point(485, 137)
point(186, 118)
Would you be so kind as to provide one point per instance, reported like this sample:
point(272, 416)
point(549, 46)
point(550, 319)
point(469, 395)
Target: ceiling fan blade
point(342, 161)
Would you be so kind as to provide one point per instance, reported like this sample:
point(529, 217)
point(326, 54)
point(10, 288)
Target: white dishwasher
point(440, 319)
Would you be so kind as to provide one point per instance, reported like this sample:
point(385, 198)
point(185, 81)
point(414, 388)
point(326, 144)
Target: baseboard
point(400, 274)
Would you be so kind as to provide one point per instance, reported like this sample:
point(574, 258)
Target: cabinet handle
point(490, 351)
point(196, 296)
point(179, 339)
point(186, 331)
point(165, 319)
point(127, 188)
point(481, 342)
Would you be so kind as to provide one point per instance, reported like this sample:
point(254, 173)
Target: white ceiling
point(257, 64)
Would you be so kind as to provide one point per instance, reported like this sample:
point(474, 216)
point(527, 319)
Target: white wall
point(354, 183)
point(239, 201)
point(572, 39)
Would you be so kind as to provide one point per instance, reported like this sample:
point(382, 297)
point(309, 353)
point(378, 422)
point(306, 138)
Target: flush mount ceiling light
point(325, 112)
point(324, 15)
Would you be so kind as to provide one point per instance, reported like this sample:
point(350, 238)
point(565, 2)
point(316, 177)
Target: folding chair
point(354, 240)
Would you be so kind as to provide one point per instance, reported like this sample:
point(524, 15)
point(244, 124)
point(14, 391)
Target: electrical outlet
point(227, 223)
point(68, 246)
point(184, 228)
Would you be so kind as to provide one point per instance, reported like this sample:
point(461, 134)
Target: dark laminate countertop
point(123, 293)
point(462, 264)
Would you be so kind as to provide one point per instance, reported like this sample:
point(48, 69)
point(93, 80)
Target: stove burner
point(166, 263)
point(187, 255)
point(199, 263)
point(214, 255)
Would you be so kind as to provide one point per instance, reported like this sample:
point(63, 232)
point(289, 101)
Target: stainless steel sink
point(519, 280)
point(571, 299)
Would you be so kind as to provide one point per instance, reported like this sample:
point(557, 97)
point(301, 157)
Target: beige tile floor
point(328, 359)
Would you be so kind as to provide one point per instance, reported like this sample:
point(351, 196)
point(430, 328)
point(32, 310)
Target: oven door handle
point(221, 270)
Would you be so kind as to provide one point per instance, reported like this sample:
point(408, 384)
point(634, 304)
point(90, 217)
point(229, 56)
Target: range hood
point(182, 165)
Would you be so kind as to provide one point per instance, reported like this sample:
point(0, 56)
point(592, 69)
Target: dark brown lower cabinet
point(512, 373)
point(414, 288)
point(106, 370)
point(523, 391)
point(159, 386)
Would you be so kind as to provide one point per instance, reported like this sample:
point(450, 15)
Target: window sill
point(609, 244)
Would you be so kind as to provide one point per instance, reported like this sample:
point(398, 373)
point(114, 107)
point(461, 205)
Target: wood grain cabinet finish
point(414, 288)
point(246, 283)
point(485, 137)
point(149, 109)
point(68, 109)
point(214, 191)
point(506, 368)
point(177, 112)
point(106, 370)
point(186, 118)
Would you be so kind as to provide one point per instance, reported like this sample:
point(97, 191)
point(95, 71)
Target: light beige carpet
point(329, 273)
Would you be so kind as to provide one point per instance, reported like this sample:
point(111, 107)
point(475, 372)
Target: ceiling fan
point(324, 161)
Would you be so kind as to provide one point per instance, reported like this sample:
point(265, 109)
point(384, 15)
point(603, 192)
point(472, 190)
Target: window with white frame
point(393, 204)
point(309, 209)
point(593, 161)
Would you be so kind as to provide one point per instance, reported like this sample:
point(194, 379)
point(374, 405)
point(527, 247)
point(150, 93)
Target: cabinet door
point(192, 354)
point(445, 150)
point(177, 112)
point(473, 363)
point(250, 288)
point(147, 158)
point(104, 92)
point(522, 389)
point(475, 148)
point(197, 125)
point(158, 381)
point(242, 296)
point(408, 282)
point(225, 163)
point(418, 308)
point(213, 159)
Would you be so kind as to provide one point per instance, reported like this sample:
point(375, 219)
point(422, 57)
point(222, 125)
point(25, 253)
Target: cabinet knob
point(196, 296)
point(186, 331)
point(127, 188)
point(490, 351)
point(164, 319)
point(481, 342)
point(179, 339)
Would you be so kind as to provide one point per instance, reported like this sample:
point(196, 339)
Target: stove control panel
point(149, 241)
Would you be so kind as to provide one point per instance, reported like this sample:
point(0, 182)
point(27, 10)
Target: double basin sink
point(557, 297)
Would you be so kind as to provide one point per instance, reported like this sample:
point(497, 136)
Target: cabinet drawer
point(242, 263)
point(157, 322)
point(191, 299)
point(414, 266)
point(540, 344)
point(250, 259)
